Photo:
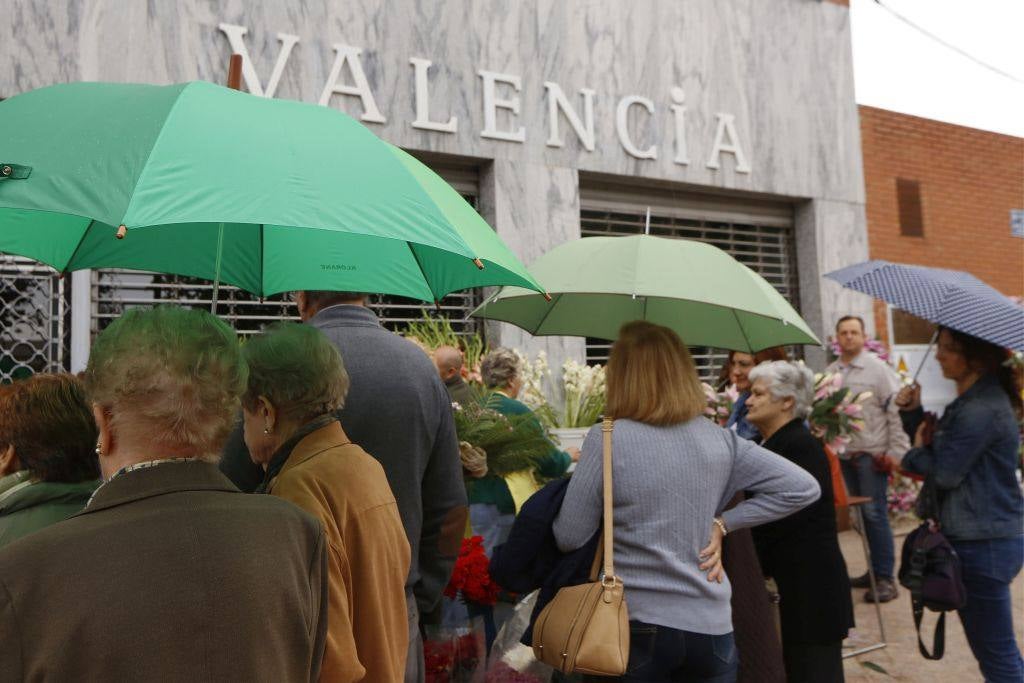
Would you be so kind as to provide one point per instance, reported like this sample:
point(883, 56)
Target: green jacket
point(27, 506)
point(492, 489)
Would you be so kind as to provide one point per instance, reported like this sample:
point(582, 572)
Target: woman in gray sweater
point(673, 473)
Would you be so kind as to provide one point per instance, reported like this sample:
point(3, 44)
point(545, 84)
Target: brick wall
point(969, 180)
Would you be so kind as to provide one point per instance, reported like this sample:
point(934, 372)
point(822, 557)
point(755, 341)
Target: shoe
point(885, 591)
point(862, 581)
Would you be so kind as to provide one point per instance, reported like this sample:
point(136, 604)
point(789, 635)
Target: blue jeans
point(862, 480)
point(988, 569)
point(660, 653)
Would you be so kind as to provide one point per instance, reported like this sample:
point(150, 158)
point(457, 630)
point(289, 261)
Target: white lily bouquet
point(582, 387)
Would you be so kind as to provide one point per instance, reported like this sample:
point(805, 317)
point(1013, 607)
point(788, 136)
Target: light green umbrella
point(268, 195)
point(599, 283)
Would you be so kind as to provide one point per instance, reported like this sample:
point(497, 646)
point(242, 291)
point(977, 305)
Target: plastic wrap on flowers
point(719, 403)
point(455, 654)
point(511, 661)
point(902, 499)
point(836, 413)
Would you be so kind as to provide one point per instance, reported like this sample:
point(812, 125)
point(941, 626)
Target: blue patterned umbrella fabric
point(951, 298)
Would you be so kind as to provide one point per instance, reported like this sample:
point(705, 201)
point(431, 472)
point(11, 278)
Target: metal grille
point(115, 290)
point(769, 250)
point(34, 319)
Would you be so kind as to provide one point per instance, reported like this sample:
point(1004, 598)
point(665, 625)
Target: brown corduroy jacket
point(169, 574)
point(368, 554)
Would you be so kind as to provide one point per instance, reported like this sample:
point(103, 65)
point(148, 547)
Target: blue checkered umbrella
point(951, 298)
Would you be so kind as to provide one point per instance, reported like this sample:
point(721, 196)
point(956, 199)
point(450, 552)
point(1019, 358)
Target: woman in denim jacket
point(971, 457)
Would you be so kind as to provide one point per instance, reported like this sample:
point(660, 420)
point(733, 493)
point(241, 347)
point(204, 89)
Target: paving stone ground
point(901, 659)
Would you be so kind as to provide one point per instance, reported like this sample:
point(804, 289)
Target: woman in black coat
point(801, 552)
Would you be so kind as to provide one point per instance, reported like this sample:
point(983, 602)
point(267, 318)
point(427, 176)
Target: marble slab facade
point(774, 77)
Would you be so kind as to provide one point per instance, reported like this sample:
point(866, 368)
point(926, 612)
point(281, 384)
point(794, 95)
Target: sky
point(898, 68)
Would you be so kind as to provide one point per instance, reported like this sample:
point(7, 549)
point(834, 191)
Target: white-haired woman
point(297, 383)
point(801, 552)
point(491, 508)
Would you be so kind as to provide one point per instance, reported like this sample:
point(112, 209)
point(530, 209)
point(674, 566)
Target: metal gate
point(757, 233)
point(34, 319)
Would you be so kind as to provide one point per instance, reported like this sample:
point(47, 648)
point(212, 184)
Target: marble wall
point(779, 71)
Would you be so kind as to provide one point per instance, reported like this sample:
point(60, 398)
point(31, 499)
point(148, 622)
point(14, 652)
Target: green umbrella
point(268, 195)
point(599, 283)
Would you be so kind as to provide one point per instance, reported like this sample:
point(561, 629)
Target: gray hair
point(499, 367)
point(171, 374)
point(788, 380)
point(297, 369)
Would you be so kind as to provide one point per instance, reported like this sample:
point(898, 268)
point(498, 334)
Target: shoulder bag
point(585, 628)
point(930, 570)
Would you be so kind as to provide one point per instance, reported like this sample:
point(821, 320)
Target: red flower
point(471, 576)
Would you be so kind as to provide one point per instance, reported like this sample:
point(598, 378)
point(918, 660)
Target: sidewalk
point(901, 659)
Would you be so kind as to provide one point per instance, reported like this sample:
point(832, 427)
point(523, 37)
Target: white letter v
point(236, 38)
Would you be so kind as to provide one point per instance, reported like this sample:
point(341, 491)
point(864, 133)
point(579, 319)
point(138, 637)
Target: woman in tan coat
point(297, 382)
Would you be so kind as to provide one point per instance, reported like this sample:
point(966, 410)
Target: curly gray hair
point(171, 374)
point(499, 367)
point(788, 380)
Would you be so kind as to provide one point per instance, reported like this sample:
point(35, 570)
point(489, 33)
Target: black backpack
point(930, 570)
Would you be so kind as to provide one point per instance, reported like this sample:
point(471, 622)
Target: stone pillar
point(533, 208)
point(830, 234)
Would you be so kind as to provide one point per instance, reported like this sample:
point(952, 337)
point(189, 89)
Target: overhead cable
point(948, 45)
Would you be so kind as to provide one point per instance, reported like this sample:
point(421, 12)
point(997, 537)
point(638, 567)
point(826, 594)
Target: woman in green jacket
point(491, 508)
point(48, 467)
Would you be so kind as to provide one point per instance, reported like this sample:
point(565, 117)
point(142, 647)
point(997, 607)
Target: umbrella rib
point(263, 284)
point(554, 302)
point(423, 272)
point(735, 314)
point(77, 246)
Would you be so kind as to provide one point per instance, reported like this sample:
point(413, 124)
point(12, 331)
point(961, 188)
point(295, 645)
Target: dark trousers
point(658, 654)
point(813, 662)
point(988, 569)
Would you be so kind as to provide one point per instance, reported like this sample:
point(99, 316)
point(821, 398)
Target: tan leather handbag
point(585, 628)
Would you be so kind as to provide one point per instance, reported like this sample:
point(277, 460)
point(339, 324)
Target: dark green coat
point(30, 506)
point(492, 489)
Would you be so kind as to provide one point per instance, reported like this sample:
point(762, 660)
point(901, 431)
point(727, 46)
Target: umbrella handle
point(925, 358)
point(216, 268)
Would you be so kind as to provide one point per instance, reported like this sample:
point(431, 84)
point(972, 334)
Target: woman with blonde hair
point(673, 473)
point(297, 384)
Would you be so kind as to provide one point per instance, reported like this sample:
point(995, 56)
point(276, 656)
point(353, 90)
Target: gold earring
point(266, 430)
point(99, 448)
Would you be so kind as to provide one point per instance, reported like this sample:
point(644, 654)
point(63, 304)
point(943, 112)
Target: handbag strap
point(938, 639)
point(609, 568)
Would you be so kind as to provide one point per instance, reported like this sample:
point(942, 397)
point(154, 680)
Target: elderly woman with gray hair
point(801, 552)
point(170, 571)
point(491, 508)
point(297, 383)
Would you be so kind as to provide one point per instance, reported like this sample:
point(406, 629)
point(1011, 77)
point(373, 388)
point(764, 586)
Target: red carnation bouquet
point(471, 577)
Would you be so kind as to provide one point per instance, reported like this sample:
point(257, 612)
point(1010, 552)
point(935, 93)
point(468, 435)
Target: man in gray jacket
point(400, 413)
point(874, 451)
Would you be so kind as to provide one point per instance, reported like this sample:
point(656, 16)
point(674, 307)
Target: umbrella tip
point(478, 263)
point(437, 304)
point(121, 231)
point(547, 297)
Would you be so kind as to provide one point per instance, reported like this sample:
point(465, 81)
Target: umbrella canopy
point(599, 283)
point(951, 298)
point(269, 195)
